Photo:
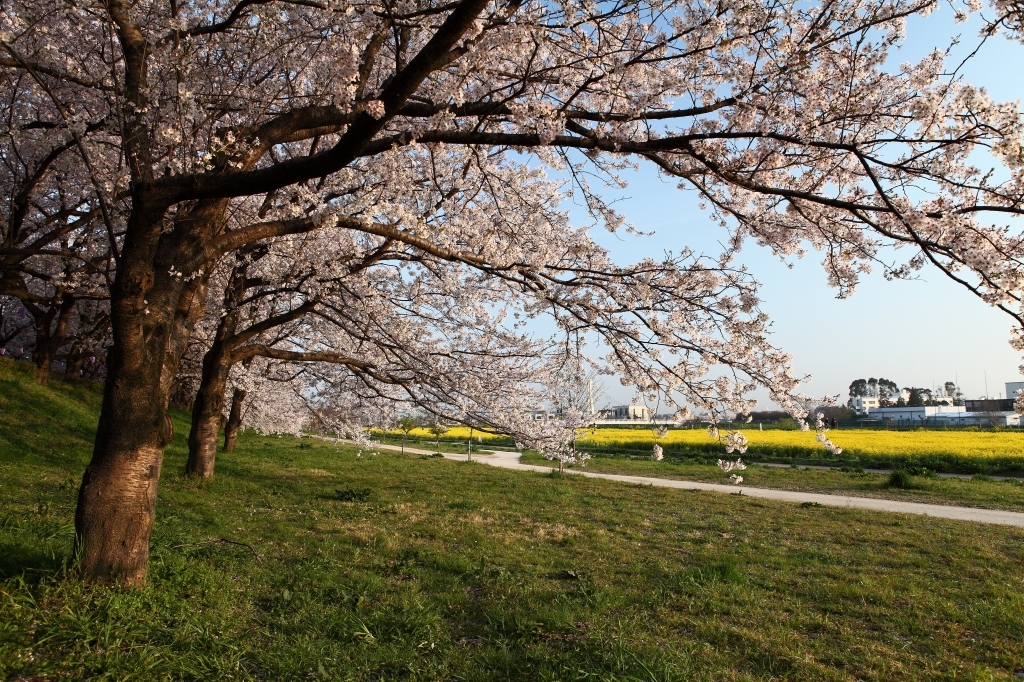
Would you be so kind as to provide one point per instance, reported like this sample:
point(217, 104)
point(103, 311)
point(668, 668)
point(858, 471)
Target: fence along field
point(991, 452)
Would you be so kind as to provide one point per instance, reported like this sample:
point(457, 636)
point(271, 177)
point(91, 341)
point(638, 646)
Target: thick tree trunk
point(234, 420)
point(117, 500)
point(209, 403)
point(152, 313)
point(207, 410)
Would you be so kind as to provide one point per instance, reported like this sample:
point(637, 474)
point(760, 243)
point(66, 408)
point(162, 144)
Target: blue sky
point(915, 333)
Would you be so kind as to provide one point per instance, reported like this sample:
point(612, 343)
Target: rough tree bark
point(234, 420)
point(152, 316)
point(206, 412)
point(209, 403)
point(117, 500)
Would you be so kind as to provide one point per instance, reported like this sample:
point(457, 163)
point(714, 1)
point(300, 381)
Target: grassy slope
point(463, 572)
point(988, 494)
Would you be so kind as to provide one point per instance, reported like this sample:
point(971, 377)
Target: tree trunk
point(74, 367)
point(152, 314)
point(41, 355)
point(75, 363)
point(91, 329)
point(207, 410)
point(49, 339)
point(117, 500)
point(44, 363)
point(234, 420)
point(209, 403)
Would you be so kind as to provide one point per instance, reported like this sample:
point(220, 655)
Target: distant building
point(946, 414)
point(637, 412)
point(989, 405)
point(1012, 387)
point(862, 403)
point(1001, 418)
point(914, 413)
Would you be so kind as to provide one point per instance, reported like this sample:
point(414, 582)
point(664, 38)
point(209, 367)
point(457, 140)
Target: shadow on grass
point(32, 562)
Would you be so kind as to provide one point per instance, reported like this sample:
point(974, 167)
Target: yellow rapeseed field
point(454, 433)
point(985, 451)
point(855, 442)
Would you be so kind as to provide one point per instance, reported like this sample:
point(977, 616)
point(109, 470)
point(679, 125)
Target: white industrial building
point(951, 415)
point(636, 412)
point(862, 403)
point(620, 414)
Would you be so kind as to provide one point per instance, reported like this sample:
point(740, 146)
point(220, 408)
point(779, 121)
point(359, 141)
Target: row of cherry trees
point(334, 210)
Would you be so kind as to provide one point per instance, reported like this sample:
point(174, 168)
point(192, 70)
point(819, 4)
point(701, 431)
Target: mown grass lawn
point(400, 568)
point(979, 491)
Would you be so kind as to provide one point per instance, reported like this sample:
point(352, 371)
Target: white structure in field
point(862, 403)
point(637, 412)
point(1012, 387)
point(620, 414)
point(944, 414)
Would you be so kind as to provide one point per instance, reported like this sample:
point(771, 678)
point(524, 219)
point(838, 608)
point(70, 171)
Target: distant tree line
point(890, 395)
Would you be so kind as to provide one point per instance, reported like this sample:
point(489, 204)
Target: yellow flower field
point(453, 433)
point(963, 451)
point(855, 442)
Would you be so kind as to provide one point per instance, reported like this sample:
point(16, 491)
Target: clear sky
point(915, 333)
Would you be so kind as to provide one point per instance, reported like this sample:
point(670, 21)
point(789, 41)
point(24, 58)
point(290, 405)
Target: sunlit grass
point(401, 568)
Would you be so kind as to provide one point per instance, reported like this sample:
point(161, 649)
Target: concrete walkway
point(510, 460)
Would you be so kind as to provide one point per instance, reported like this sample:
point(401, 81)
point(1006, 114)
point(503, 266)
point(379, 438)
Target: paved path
point(510, 460)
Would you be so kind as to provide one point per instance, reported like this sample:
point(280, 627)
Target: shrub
point(900, 478)
point(352, 494)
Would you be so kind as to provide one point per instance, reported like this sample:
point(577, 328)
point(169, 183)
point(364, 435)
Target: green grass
point(981, 491)
point(401, 568)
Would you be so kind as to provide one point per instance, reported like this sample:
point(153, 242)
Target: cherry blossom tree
point(198, 129)
point(54, 253)
point(361, 313)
